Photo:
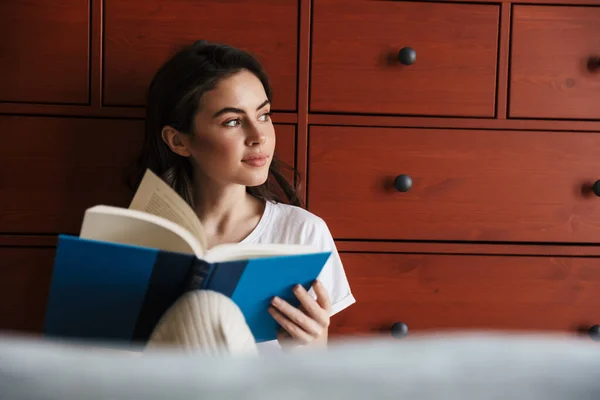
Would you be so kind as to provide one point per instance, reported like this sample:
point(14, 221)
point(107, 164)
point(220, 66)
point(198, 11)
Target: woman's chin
point(256, 180)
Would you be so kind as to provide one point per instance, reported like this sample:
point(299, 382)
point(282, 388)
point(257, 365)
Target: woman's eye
point(232, 123)
point(265, 116)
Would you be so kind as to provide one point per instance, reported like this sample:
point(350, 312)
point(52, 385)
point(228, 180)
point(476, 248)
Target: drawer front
point(50, 173)
point(458, 292)
point(25, 274)
point(466, 185)
point(44, 51)
point(555, 62)
point(142, 34)
point(454, 73)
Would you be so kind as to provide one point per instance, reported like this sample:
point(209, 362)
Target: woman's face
point(234, 139)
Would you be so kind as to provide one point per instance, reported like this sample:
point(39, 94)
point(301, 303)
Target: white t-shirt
point(286, 224)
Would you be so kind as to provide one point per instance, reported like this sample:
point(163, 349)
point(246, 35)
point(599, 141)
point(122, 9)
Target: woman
point(210, 136)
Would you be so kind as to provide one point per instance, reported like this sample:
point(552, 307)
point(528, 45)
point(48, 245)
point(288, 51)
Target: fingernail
point(275, 300)
point(297, 287)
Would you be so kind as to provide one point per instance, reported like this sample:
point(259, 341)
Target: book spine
point(199, 275)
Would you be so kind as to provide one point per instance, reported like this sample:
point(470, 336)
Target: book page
point(137, 228)
point(237, 251)
point(155, 197)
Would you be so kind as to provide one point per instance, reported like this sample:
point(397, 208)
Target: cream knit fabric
point(204, 321)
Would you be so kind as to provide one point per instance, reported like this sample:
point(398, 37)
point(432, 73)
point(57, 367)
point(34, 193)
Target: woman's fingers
point(307, 323)
point(322, 297)
point(290, 327)
point(296, 316)
point(314, 308)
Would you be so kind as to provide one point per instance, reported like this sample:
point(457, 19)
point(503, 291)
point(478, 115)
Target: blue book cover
point(103, 291)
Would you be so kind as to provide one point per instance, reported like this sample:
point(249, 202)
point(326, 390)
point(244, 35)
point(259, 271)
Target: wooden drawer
point(44, 51)
point(466, 185)
point(456, 54)
point(551, 49)
point(52, 169)
point(141, 34)
point(25, 274)
point(469, 292)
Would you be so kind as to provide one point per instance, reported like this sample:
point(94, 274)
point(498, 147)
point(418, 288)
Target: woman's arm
point(309, 324)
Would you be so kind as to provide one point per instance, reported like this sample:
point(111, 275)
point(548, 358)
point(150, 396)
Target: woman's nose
point(256, 138)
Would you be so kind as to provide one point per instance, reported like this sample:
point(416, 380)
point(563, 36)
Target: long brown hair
point(173, 99)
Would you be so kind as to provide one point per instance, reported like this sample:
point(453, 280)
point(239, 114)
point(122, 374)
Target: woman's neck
point(227, 212)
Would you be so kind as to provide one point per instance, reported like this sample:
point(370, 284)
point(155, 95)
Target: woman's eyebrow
point(228, 109)
point(237, 110)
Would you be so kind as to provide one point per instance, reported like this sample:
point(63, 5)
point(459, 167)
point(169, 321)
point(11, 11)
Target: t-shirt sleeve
point(333, 276)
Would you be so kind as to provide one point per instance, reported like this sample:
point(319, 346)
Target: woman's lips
point(258, 160)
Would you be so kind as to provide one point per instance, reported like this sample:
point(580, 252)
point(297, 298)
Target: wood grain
point(44, 51)
point(303, 94)
point(453, 123)
point(28, 240)
point(97, 36)
point(141, 34)
point(551, 46)
point(539, 2)
point(410, 247)
point(467, 185)
point(455, 69)
point(503, 61)
point(55, 168)
point(469, 292)
point(285, 146)
point(25, 275)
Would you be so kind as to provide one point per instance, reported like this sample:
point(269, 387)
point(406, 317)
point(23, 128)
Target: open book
point(129, 265)
point(159, 218)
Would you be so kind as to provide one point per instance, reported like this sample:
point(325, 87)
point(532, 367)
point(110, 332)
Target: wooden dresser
point(452, 146)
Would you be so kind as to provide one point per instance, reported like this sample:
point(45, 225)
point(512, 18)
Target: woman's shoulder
point(287, 213)
point(284, 223)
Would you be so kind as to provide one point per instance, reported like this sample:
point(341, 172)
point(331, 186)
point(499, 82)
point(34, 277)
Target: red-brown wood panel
point(44, 51)
point(285, 147)
point(52, 169)
point(141, 34)
point(466, 185)
point(25, 274)
point(461, 123)
point(551, 49)
point(355, 66)
point(524, 249)
point(429, 292)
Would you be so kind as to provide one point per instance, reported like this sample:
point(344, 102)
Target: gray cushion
point(450, 367)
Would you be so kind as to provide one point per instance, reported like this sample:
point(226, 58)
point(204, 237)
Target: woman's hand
point(306, 325)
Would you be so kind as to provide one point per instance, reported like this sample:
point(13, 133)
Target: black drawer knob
point(407, 55)
point(403, 183)
point(594, 332)
point(596, 188)
point(399, 330)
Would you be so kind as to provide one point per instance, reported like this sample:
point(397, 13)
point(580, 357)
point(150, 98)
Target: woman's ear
point(176, 141)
